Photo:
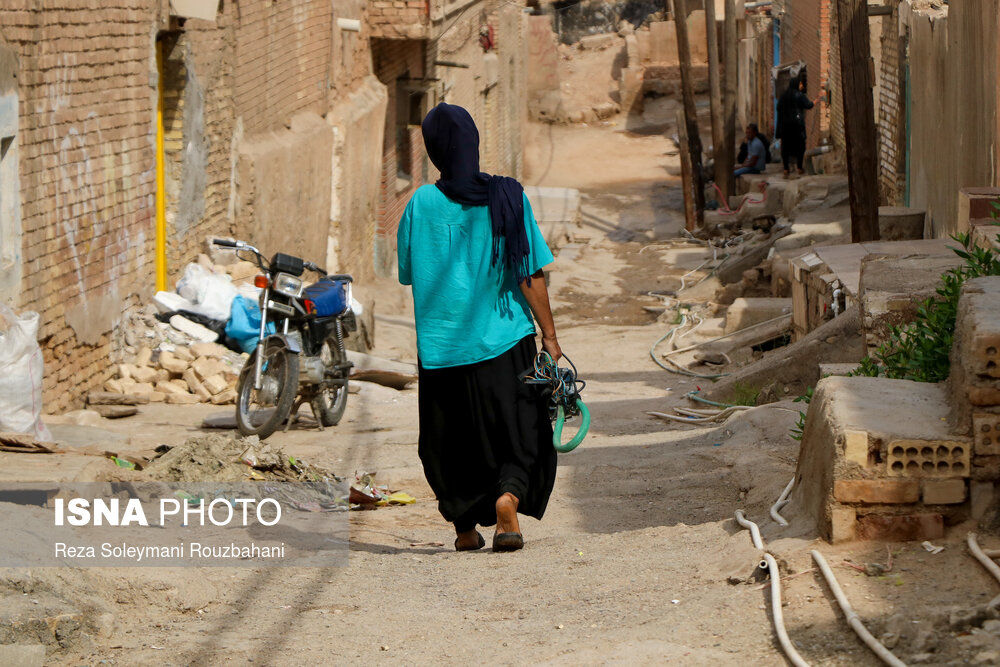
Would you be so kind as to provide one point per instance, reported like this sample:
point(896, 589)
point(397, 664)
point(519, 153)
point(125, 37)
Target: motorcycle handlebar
point(225, 243)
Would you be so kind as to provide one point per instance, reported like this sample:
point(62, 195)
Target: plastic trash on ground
point(21, 370)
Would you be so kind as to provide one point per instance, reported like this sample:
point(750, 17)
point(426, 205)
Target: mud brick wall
point(891, 119)
point(284, 51)
point(86, 175)
point(399, 19)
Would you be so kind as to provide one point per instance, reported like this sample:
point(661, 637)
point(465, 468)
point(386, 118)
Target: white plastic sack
point(211, 293)
point(21, 375)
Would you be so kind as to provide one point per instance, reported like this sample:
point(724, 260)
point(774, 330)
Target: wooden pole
point(859, 118)
point(690, 210)
point(697, 189)
point(715, 95)
point(730, 42)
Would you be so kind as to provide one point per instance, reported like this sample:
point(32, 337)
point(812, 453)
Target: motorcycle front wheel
point(261, 412)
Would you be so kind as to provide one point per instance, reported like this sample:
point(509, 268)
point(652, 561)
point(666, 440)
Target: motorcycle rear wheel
point(329, 403)
point(280, 384)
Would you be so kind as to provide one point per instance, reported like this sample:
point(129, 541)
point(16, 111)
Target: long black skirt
point(483, 433)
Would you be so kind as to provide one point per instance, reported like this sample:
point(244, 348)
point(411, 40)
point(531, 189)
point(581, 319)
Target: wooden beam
point(859, 118)
point(691, 221)
point(722, 169)
point(697, 189)
point(730, 43)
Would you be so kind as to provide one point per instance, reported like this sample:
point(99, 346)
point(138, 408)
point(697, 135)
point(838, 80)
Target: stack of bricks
point(399, 19)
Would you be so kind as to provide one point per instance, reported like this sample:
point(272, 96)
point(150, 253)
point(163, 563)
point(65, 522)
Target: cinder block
point(900, 527)
point(856, 447)
point(842, 521)
point(928, 458)
point(876, 491)
point(944, 491)
point(986, 432)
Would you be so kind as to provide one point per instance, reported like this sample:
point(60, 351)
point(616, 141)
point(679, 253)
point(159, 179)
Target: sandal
point(508, 542)
point(482, 543)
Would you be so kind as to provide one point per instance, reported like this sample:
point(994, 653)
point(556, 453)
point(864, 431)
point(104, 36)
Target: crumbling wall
point(574, 20)
point(952, 56)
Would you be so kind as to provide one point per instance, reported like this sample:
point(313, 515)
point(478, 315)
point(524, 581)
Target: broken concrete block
point(216, 384)
point(143, 388)
point(224, 397)
point(876, 491)
point(127, 383)
point(179, 383)
point(205, 367)
point(928, 458)
point(143, 374)
point(125, 370)
point(899, 223)
point(115, 411)
point(900, 528)
point(826, 370)
point(746, 312)
point(182, 399)
point(157, 397)
point(842, 521)
point(169, 387)
point(161, 375)
point(944, 491)
point(183, 353)
point(856, 447)
point(171, 363)
point(195, 386)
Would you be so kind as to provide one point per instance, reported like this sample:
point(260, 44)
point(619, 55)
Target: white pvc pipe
point(979, 555)
point(776, 614)
point(853, 619)
point(781, 502)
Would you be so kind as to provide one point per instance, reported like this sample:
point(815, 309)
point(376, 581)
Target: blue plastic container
point(329, 296)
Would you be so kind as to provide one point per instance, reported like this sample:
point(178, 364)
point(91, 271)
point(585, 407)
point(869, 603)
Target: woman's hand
point(551, 345)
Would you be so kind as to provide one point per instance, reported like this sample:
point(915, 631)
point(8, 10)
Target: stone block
point(195, 386)
point(224, 397)
point(125, 370)
point(143, 356)
point(746, 312)
point(944, 491)
point(900, 527)
point(856, 447)
point(211, 350)
point(216, 384)
point(182, 399)
point(143, 388)
point(183, 353)
point(114, 386)
point(143, 374)
point(842, 521)
point(876, 491)
point(169, 388)
point(171, 363)
point(928, 458)
point(157, 397)
point(898, 223)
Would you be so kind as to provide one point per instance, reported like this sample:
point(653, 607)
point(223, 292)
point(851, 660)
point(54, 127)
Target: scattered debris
point(931, 548)
point(19, 442)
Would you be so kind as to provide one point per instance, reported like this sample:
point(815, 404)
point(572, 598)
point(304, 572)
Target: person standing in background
point(792, 124)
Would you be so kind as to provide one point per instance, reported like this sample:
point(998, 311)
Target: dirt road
point(630, 565)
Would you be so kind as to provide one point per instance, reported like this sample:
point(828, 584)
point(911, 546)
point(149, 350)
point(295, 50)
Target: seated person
point(756, 159)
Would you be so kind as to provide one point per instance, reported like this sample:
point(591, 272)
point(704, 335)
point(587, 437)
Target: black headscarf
point(452, 143)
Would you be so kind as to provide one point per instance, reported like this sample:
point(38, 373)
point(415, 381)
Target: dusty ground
point(631, 562)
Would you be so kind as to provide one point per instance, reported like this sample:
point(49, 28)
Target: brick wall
point(891, 114)
point(805, 36)
point(836, 92)
point(86, 96)
point(399, 19)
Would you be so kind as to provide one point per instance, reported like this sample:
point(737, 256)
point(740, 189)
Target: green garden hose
point(580, 434)
point(564, 389)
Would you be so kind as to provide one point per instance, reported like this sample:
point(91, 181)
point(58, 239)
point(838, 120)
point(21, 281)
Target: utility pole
point(715, 93)
point(693, 148)
point(859, 118)
point(730, 42)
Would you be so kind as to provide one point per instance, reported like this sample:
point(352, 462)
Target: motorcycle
point(300, 355)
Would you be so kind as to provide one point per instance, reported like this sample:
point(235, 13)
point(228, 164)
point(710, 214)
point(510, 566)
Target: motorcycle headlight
point(288, 285)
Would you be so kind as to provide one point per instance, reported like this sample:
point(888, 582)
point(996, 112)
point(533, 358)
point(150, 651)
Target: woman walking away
point(471, 250)
point(792, 124)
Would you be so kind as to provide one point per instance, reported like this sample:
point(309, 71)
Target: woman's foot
point(470, 540)
point(508, 536)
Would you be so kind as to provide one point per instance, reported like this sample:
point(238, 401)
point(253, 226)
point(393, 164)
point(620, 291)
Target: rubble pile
point(180, 374)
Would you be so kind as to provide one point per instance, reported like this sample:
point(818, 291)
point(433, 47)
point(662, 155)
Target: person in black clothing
point(792, 125)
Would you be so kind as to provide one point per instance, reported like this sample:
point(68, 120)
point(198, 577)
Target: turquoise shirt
point(466, 309)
